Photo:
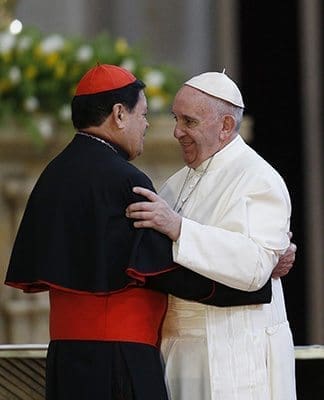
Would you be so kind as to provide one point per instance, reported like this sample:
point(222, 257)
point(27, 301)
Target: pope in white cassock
point(228, 214)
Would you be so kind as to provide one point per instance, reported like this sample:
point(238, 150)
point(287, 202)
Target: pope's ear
point(119, 115)
point(228, 127)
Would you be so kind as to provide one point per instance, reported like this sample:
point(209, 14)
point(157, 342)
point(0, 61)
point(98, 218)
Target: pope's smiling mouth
point(186, 144)
point(187, 147)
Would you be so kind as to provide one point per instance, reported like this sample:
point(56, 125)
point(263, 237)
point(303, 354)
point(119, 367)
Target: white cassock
point(234, 227)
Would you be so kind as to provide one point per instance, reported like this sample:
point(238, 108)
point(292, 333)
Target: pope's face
point(137, 124)
point(197, 127)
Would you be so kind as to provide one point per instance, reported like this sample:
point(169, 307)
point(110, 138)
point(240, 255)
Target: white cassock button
point(271, 330)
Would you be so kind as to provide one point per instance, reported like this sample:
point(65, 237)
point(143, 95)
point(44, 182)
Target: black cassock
point(74, 235)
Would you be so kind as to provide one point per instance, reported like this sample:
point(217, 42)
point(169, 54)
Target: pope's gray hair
point(224, 107)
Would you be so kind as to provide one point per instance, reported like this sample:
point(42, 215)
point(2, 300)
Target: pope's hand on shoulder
point(154, 213)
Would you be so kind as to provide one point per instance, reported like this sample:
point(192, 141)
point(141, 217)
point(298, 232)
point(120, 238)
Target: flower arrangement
point(39, 73)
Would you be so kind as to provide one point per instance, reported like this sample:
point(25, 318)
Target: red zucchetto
point(102, 78)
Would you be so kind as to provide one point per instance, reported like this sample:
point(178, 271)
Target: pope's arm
point(152, 266)
point(244, 247)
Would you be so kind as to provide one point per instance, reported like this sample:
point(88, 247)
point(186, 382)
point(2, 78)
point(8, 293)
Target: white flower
point(45, 127)
point(154, 78)
point(84, 53)
point(156, 103)
point(7, 42)
point(14, 74)
point(24, 43)
point(31, 104)
point(52, 44)
point(129, 64)
point(15, 27)
point(65, 112)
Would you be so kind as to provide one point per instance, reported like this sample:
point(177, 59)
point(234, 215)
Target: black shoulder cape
point(74, 233)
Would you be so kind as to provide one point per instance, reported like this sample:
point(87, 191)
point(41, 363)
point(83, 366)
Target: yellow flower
point(30, 72)
point(60, 70)
point(38, 52)
point(121, 46)
point(5, 85)
point(51, 59)
point(72, 90)
point(7, 57)
point(152, 91)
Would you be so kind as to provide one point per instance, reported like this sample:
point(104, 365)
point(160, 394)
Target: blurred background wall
point(274, 50)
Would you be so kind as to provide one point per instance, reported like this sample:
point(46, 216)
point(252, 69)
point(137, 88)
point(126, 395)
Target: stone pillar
point(225, 47)
point(26, 315)
point(312, 98)
point(174, 32)
point(59, 16)
point(23, 317)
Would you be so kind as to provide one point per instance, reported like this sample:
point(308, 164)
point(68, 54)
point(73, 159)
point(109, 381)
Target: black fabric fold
point(151, 254)
point(104, 370)
point(189, 285)
point(225, 296)
point(152, 266)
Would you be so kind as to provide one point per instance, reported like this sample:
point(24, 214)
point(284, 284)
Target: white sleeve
point(242, 250)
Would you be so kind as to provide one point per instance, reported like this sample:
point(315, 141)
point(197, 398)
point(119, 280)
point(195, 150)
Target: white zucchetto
point(219, 85)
